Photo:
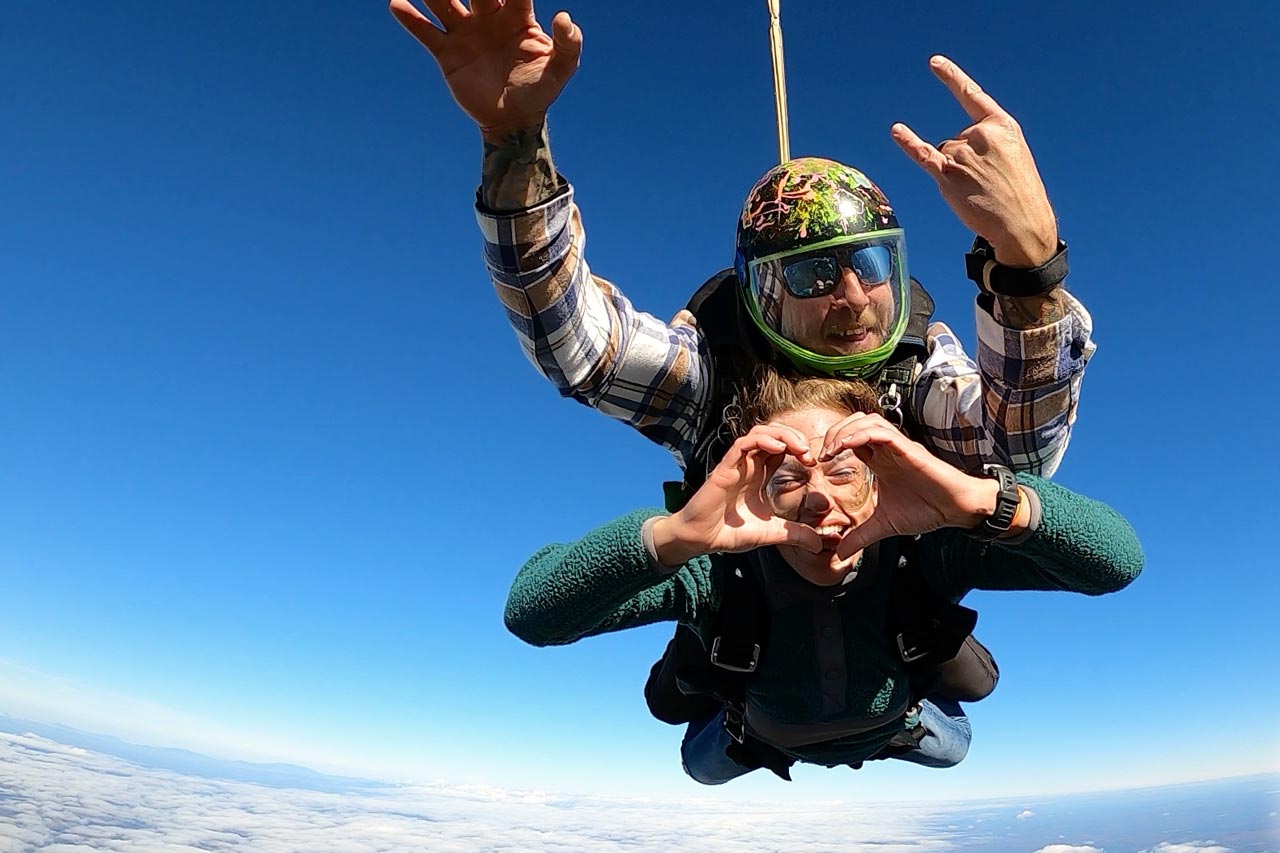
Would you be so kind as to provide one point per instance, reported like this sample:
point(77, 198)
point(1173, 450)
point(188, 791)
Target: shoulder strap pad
point(921, 315)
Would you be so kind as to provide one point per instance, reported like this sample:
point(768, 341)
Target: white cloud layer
point(59, 799)
point(56, 798)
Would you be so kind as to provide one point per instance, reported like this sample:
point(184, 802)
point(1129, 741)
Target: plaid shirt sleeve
point(583, 334)
point(1015, 406)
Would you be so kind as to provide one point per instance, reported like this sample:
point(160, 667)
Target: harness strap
point(926, 629)
point(736, 647)
point(736, 638)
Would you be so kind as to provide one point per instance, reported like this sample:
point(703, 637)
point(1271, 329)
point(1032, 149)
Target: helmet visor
point(819, 273)
point(842, 298)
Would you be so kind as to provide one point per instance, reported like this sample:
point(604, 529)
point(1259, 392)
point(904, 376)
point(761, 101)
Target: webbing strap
point(924, 628)
point(736, 642)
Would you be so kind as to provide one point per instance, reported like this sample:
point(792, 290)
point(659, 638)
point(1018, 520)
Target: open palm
point(502, 68)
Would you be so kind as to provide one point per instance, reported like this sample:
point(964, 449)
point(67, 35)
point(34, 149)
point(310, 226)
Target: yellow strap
point(779, 81)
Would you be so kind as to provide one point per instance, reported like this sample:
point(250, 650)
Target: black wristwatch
point(1007, 502)
point(982, 268)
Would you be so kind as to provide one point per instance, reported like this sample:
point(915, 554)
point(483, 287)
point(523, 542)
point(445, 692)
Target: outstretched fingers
point(428, 34)
point(926, 156)
point(977, 103)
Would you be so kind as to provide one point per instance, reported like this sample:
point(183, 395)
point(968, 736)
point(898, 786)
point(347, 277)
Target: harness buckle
point(891, 402)
point(735, 722)
point(911, 650)
point(734, 663)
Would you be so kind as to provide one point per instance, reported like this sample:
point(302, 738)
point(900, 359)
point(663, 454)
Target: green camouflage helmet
point(810, 205)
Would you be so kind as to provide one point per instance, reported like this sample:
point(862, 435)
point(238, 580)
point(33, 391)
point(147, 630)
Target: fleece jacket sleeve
point(1081, 545)
point(603, 582)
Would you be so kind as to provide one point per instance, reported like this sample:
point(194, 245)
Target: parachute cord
point(779, 80)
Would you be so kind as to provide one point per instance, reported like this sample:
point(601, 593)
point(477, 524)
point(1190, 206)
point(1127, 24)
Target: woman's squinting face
point(831, 497)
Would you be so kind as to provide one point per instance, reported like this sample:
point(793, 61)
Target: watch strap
point(1007, 500)
point(983, 269)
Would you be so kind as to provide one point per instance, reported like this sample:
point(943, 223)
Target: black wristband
point(1007, 501)
point(982, 268)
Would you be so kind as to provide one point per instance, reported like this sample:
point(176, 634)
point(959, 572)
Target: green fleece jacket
point(606, 582)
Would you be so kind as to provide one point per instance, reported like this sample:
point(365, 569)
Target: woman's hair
point(773, 394)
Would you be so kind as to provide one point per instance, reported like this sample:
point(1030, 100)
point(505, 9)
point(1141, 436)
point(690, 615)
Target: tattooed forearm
point(517, 171)
point(1028, 312)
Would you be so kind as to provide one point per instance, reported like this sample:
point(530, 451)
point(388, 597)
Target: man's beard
point(849, 334)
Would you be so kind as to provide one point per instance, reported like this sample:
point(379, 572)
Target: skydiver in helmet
point(1015, 404)
point(820, 282)
point(823, 267)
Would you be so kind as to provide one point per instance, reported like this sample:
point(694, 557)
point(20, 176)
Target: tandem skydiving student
point(824, 542)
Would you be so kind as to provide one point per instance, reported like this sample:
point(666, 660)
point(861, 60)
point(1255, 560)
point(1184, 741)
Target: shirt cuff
point(646, 536)
point(1033, 358)
point(525, 243)
point(562, 189)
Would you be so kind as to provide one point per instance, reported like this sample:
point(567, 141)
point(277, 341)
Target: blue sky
point(271, 455)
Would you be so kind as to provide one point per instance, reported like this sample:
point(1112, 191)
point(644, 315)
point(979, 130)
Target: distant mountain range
point(192, 763)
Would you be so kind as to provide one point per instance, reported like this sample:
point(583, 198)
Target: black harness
point(693, 680)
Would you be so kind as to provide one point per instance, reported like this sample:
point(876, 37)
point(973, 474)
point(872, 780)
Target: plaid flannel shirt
point(1015, 406)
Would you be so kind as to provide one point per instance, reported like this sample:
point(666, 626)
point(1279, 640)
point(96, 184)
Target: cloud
point(61, 799)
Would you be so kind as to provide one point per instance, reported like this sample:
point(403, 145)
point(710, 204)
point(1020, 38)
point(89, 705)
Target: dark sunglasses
point(818, 274)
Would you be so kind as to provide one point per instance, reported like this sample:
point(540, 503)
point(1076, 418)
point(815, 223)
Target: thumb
point(567, 37)
point(856, 539)
point(802, 536)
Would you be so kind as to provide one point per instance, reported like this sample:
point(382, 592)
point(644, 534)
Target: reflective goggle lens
point(811, 277)
point(818, 275)
point(873, 264)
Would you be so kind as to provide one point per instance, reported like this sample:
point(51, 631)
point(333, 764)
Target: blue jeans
point(945, 744)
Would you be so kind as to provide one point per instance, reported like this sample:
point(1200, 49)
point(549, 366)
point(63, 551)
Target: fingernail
point(937, 61)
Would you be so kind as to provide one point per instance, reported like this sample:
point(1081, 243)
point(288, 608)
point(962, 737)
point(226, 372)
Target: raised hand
point(731, 512)
point(917, 492)
point(987, 175)
point(502, 68)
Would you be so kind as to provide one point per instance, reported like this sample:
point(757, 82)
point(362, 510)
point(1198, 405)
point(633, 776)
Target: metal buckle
point(891, 402)
point(735, 723)
point(750, 667)
point(912, 654)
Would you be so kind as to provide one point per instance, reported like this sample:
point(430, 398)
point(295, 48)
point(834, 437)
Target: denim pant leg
point(947, 735)
point(702, 752)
